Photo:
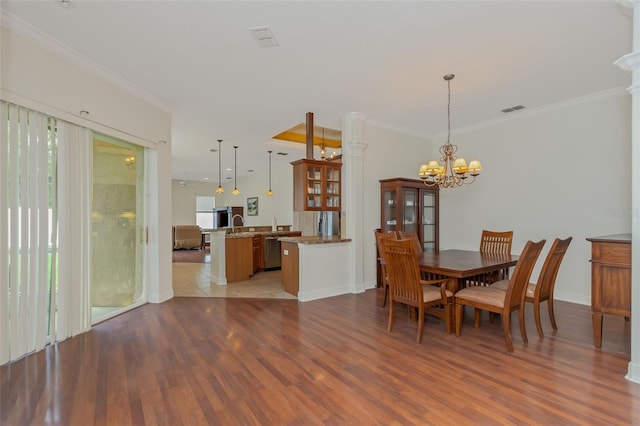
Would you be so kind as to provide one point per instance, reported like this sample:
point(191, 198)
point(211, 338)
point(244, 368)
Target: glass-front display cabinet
point(317, 185)
point(409, 205)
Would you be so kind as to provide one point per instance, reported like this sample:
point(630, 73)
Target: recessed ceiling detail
point(330, 138)
point(264, 36)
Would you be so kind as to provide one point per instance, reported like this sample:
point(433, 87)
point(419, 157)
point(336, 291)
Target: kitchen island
point(237, 254)
point(315, 267)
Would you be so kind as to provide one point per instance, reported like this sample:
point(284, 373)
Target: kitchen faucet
point(233, 217)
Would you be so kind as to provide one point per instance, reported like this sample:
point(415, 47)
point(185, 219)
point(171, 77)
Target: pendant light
point(220, 189)
point(235, 171)
point(270, 192)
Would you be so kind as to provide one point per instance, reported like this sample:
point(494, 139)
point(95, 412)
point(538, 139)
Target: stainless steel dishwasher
point(272, 253)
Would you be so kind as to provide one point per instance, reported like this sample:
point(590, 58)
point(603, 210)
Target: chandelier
point(454, 171)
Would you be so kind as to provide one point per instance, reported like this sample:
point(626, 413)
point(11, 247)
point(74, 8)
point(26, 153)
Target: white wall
point(280, 205)
point(389, 153)
point(35, 73)
point(184, 200)
point(557, 172)
point(37, 78)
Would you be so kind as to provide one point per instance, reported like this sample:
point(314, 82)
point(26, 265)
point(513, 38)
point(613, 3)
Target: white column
point(160, 246)
point(631, 62)
point(353, 190)
point(217, 250)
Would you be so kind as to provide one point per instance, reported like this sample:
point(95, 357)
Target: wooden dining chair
point(379, 234)
point(497, 300)
point(406, 287)
point(413, 236)
point(492, 242)
point(543, 289)
point(496, 242)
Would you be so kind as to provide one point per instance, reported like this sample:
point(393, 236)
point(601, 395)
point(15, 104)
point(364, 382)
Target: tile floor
point(193, 280)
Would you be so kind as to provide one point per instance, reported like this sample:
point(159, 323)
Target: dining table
point(459, 265)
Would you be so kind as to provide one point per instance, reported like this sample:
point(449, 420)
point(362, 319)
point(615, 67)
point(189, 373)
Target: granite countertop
point(314, 240)
point(251, 234)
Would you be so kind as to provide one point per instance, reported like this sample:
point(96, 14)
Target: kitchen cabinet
point(290, 267)
point(258, 258)
point(317, 185)
point(610, 279)
point(238, 259)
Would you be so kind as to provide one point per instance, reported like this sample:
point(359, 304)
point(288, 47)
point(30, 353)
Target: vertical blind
point(44, 225)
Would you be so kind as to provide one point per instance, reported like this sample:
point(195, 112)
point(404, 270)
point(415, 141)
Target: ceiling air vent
point(514, 108)
point(264, 36)
point(66, 4)
point(282, 153)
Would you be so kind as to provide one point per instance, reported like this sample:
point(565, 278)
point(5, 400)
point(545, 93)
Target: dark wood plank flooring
point(194, 361)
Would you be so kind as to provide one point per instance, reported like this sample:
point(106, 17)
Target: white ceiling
point(384, 59)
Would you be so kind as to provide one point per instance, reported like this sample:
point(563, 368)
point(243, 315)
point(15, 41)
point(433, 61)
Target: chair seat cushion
point(504, 284)
point(431, 293)
point(501, 285)
point(486, 295)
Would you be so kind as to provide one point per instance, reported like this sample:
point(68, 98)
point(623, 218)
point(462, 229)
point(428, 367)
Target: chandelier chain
point(449, 112)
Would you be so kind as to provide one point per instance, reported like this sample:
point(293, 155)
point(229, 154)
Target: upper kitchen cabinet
point(409, 205)
point(316, 185)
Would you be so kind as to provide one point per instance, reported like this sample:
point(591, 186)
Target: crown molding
point(22, 28)
point(618, 91)
point(395, 128)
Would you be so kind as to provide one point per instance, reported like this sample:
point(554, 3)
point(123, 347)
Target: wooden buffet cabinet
point(610, 279)
point(317, 185)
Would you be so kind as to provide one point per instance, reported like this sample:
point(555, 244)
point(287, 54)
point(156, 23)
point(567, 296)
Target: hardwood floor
point(210, 361)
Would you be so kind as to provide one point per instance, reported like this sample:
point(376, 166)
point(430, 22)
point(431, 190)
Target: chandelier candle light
point(454, 171)
point(220, 189)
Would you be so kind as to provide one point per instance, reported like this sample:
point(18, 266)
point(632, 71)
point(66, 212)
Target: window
point(204, 211)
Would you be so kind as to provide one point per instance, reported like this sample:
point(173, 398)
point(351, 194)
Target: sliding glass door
point(118, 228)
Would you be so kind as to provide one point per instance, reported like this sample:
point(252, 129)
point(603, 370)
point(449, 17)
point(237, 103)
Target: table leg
point(597, 329)
point(452, 285)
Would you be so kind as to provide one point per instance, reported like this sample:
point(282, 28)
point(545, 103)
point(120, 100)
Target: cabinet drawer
point(612, 253)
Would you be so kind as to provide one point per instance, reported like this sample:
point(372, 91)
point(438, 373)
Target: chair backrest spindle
point(403, 271)
point(496, 242)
